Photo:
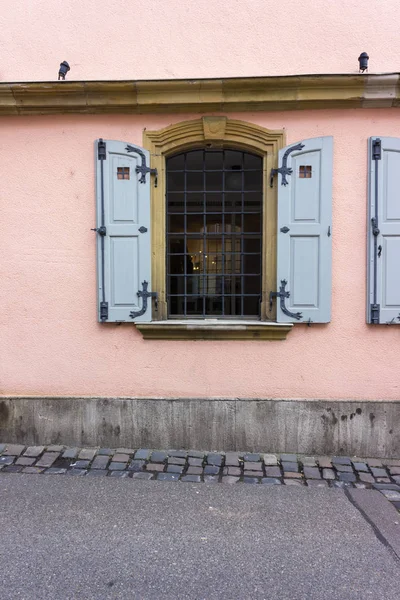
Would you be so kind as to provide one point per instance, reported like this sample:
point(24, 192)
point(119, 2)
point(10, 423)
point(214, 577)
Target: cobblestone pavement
point(207, 467)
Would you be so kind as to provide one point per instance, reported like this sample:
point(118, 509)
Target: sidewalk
point(207, 467)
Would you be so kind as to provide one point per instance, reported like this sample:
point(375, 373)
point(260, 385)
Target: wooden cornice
point(294, 92)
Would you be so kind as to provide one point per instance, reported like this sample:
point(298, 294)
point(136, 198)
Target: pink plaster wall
point(50, 341)
point(128, 39)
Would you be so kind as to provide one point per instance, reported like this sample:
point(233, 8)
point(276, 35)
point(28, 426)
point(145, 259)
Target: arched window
point(214, 245)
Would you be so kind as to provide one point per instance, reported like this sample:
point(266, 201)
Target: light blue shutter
point(383, 289)
point(304, 262)
point(123, 232)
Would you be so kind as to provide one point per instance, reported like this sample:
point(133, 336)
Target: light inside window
point(305, 172)
point(123, 173)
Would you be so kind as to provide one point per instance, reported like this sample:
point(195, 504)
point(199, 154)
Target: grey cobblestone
point(253, 474)
point(34, 451)
point(292, 482)
point(328, 474)
point(167, 477)
point(374, 462)
point(32, 470)
point(288, 458)
point(232, 459)
point(214, 459)
point(143, 476)
point(291, 467)
point(273, 472)
point(324, 462)
point(13, 450)
point(211, 470)
point(77, 472)
point(349, 477)
point(229, 479)
point(155, 467)
point(47, 459)
point(105, 452)
point(344, 468)
point(391, 495)
point(87, 454)
point(117, 466)
point(175, 460)
point(366, 477)
point(196, 454)
point(80, 464)
point(291, 475)
point(270, 460)
point(271, 481)
point(192, 478)
point(175, 469)
point(236, 471)
point(158, 457)
point(2, 447)
point(251, 456)
point(120, 458)
point(309, 461)
point(361, 467)
point(124, 451)
point(178, 453)
point(194, 471)
point(97, 473)
point(55, 471)
point(12, 469)
point(341, 460)
point(211, 479)
point(312, 473)
point(252, 466)
point(394, 470)
point(71, 453)
point(120, 474)
point(25, 461)
point(100, 462)
point(316, 483)
point(137, 465)
point(377, 472)
point(195, 462)
point(142, 454)
point(250, 480)
point(54, 448)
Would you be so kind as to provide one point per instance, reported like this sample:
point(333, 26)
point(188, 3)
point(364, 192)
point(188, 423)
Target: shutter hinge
point(282, 294)
point(284, 169)
point(103, 311)
point(377, 149)
point(375, 310)
point(144, 294)
point(101, 150)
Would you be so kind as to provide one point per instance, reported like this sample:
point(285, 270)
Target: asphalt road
point(103, 538)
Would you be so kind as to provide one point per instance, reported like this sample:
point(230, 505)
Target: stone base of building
point(321, 427)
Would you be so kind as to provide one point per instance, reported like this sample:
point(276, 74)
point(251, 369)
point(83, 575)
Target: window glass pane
point(234, 181)
point(214, 202)
point(176, 181)
point(253, 181)
point(176, 163)
point(214, 160)
point(214, 223)
point(195, 223)
point(252, 162)
point(176, 223)
point(233, 202)
point(194, 181)
point(252, 223)
point(194, 160)
point(252, 201)
point(233, 158)
point(251, 305)
point(176, 203)
point(214, 181)
point(194, 202)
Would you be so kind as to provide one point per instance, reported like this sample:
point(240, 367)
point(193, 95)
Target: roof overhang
point(293, 92)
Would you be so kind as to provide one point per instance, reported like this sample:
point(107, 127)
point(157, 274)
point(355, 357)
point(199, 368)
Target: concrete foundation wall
point(311, 427)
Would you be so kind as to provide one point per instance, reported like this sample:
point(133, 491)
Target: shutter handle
point(100, 230)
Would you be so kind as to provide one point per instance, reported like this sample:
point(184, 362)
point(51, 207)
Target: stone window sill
point(214, 329)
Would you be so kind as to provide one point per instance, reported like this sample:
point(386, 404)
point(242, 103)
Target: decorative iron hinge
point(144, 294)
point(282, 294)
point(284, 169)
point(101, 150)
point(103, 311)
point(143, 169)
point(377, 149)
point(375, 310)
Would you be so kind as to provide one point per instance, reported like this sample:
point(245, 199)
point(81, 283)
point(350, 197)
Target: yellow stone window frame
point(213, 132)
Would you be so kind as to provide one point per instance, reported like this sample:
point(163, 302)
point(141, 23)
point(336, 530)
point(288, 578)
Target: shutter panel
point(304, 261)
point(383, 286)
point(123, 232)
